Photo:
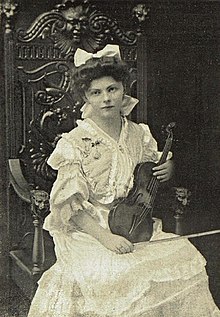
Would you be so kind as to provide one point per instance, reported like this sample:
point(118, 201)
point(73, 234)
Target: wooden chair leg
point(40, 209)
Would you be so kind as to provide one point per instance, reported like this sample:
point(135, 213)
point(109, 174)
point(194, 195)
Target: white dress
point(160, 280)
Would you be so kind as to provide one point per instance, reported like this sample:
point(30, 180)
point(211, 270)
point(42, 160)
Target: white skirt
point(166, 279)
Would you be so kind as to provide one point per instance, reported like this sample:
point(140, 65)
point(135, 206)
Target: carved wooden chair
point(40, 108)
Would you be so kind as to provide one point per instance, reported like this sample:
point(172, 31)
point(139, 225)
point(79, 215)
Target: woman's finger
point(125, 249)
point(162, 166)
point(161, 172)
point(127, 244)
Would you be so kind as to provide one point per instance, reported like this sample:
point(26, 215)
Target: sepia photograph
point(110, 158)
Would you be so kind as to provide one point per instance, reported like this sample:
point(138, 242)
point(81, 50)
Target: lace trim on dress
point(112, 145)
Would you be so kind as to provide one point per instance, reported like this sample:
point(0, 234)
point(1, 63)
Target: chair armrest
point(18, 181)
point(39, 203)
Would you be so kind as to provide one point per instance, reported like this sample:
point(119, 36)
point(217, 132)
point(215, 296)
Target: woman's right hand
point(113, 242)
point(116, 243)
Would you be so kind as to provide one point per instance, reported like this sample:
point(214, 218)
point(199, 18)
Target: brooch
point(89, 145)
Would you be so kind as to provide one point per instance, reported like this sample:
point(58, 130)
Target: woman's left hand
point(164, 172)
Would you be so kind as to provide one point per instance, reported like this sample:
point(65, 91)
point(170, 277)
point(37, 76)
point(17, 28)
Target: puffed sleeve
point(70, 193)
point(150, 149)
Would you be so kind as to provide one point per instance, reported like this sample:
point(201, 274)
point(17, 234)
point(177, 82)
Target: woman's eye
point(95, 93)
point(112, 89)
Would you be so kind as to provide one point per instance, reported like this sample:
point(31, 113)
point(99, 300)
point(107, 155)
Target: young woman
point(98, 273)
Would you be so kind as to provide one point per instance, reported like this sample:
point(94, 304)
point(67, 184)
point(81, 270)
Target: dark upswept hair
point(96, 68)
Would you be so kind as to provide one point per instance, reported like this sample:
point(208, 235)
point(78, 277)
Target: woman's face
point(105, 95)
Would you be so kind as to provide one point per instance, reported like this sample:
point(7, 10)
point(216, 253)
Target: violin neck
point(166, 150)
point(154, 183)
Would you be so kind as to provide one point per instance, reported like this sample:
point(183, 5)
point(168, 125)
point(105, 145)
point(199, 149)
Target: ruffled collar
point(128, 104)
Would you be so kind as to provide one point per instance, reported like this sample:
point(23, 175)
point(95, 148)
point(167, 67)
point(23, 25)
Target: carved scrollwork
point(45, 129)
point(77, 24)
point(108, 29)
point(43, 135)
point(52, 92)
point(42, 26)
point(40, 150)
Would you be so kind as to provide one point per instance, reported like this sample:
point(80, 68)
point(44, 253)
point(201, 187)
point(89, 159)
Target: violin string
point(153, 186)
point(147, 209)
point(153, 189)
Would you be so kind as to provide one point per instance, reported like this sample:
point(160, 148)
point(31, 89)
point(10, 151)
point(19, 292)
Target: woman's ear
point(84, 97)
point(124, 91)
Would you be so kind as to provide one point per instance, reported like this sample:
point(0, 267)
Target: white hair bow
point(81, 56)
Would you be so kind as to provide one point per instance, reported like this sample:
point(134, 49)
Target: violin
point(132, 217)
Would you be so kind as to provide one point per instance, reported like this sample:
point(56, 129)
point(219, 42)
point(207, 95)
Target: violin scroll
point(169, 128)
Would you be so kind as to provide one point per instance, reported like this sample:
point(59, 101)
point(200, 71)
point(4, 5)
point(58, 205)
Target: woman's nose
point(106, 96)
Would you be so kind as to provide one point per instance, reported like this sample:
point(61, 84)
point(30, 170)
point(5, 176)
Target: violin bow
point(187, 236)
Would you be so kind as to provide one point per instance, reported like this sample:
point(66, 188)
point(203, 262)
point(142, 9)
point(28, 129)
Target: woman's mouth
point(107, 107)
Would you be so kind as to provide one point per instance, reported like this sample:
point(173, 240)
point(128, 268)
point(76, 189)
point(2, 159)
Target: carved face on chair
point(40, 202)
point(76, 21)
point(71, 34)
point(141, 12)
